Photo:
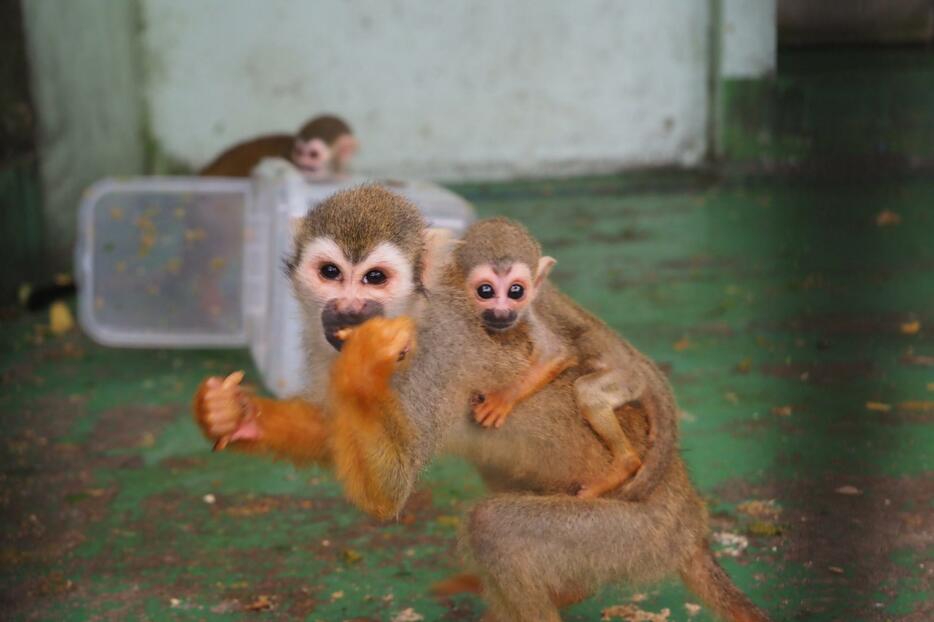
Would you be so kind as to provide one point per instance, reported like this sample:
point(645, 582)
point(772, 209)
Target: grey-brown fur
point(357, 219)
point(602, 355)
point(533, 539)
point(498, 241)
point(327, 127)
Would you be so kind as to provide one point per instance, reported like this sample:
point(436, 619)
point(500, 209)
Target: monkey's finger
point(229, 415)
point(220, 406)
point(481, 412)
point(488, 419)
point(232, 380)
point(221, 443)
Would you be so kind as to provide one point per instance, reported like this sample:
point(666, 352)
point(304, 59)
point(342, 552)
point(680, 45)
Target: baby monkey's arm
point(493, 407)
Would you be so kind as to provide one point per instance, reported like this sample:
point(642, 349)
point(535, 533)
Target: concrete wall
point(748, 31)
point(447, 90)
point(457, 89)
point(87, 92)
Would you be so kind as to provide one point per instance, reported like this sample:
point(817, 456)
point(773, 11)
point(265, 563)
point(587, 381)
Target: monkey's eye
point(486, 291)
point(330, 272)
point(374, 277)
point(516, 291)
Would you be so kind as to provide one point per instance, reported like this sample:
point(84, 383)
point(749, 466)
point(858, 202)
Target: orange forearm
point(292, 429)
point(540, 374)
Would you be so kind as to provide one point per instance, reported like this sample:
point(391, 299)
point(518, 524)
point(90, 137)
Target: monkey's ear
point(438, 246)
point(545, 264)
point(345, 146)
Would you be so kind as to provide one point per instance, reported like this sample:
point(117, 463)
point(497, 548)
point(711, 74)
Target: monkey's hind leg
point(598, 395)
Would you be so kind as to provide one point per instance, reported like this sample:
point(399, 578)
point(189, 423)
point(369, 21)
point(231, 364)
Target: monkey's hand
point(224, 412)
point(372, 436)
point(370, 355)
point(492, 408)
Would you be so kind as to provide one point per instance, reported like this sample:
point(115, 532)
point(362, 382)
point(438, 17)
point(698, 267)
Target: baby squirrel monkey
point(505, 276)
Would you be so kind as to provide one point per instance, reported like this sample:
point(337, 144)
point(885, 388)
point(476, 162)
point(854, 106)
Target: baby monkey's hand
point(491, 409)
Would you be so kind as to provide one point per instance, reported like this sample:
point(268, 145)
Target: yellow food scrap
point(917, 406)
point(147, 234)
point(60, 318)
point(887, 217)
point(261, 603)
point(760, 508)
point(911, 328)
point(218, 263)
point(449, 521)
point(23, 294)
point(116, 213)
point(174, 266)
point(180, 213)
point(880, 407)
point(194, 235)
point(682, 344)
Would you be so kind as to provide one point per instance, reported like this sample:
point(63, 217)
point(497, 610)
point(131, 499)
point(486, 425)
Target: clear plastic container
point(192, 262)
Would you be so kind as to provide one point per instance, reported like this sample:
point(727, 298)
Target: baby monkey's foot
point(621, 470)
point(491, 409)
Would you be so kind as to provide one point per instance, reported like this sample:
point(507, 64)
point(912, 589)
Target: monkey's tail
point(662, 417)
point(706, 578)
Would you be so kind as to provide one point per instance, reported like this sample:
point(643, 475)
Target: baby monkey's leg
point(496, 405)
point(599, 394)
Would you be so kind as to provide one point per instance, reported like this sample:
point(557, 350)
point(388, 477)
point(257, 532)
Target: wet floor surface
point(796, 322)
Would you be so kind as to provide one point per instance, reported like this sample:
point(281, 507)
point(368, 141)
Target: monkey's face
point(312, 155)
point(347, 293)
point(501, 293)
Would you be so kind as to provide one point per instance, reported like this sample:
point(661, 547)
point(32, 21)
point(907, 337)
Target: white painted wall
point(86, 88)
point(748, 35)
point(452, 90)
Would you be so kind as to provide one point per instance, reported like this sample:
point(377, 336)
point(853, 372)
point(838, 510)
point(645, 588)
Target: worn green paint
point(832, 106)
point(783, 292)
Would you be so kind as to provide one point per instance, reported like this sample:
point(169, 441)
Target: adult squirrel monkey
point(400, 391)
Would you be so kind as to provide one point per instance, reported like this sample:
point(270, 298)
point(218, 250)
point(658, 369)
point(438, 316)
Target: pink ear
point(346, 146)
point(545, 264)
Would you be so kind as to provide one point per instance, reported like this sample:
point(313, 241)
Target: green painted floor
point(799, 336)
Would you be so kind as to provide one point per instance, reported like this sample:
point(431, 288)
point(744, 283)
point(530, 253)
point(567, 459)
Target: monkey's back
point(242, 158)
point(546, 446)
